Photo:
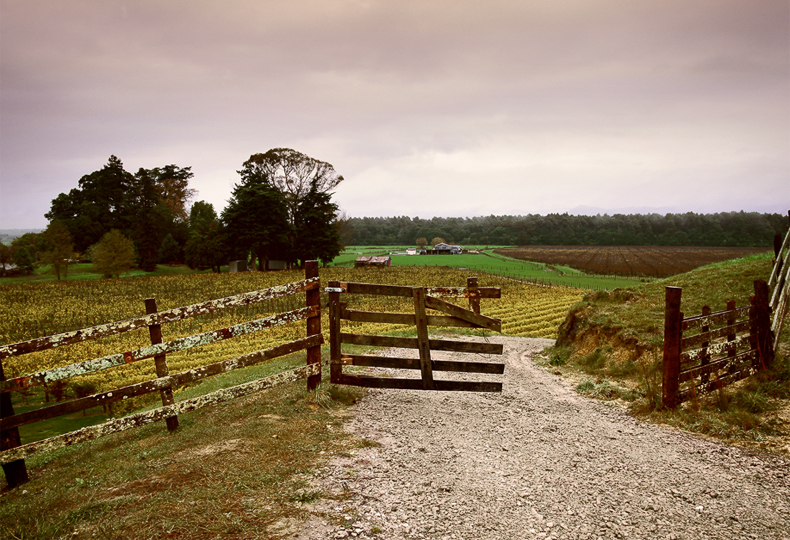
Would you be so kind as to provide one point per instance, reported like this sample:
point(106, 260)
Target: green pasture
point(493, 264)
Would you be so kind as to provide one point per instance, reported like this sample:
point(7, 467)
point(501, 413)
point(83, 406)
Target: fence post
point(760, 316)
point(160, 361)
point(673, 320)
point(15, 471)
point(335, 368)
point(705, 360)
point(474, 295)
point(313, 299)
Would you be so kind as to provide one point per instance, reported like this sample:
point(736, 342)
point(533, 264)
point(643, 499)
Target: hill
point(611, 343)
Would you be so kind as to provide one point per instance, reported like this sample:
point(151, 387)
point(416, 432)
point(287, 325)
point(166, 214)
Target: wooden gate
point(424, 298)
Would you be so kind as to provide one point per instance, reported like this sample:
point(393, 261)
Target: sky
point(427, 108)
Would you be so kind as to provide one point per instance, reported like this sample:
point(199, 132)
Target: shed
point(373, 261)
point(443, 248)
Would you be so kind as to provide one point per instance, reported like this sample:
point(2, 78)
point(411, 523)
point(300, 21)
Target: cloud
point(580, 101)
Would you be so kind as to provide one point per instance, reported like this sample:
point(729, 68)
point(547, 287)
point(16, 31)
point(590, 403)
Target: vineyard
point(34, 310)
point(633, 261)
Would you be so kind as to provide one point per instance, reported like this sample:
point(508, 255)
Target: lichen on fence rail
point(188, 342)
point(171, 315)
point(156, 415)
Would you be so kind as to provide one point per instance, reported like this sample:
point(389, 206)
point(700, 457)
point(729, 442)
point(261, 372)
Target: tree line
point(742, 229)
point(281, 209)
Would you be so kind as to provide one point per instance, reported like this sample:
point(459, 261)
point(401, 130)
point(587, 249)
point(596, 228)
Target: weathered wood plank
point(422, 339)
point(714, 319)
point(414, 363)
point(160, 362)
point(480, 321)
point(403, 318)
point(721, 382)
point(335, 309)
point(727, 363)
point(714, 350)
point(161, 317)
point(411, 343)
point(416, 384)
point(399, 290)
point(673, 320)
point(118, 359)
point(463, 292)
point(702, 337)
point(177, 379)
point(143, 418)
point(313, 300)
point(15, 470)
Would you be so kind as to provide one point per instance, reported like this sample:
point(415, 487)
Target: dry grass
point(239, 470)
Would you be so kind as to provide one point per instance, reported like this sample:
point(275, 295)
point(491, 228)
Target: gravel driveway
point(538, 461)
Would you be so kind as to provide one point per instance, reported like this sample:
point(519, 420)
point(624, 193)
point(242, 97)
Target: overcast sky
point(446, 108)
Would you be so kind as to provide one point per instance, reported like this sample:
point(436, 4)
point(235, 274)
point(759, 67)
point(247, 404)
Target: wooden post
point(335, 369)
point(705, 377)
point(15, 471)
point(761, 324)
point(160, 361)
point(731, 337)
point(422, 338)
point(313, 323)
point(474, 295)
point(673, 320)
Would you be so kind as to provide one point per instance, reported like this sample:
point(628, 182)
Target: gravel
point(538, 461)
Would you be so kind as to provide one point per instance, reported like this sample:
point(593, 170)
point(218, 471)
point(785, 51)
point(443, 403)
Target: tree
point(5, 256)
point(113, 255)
point(24, 259)
point(422, 242)
point(59, 248)
point(145, 206)
point(149, 218)
point(317, 235)
point(206, 247)
point(256, 220)
point(172, 184)
point(293, 174)
point(301, 180)
point(437, 240)
point(170, 252)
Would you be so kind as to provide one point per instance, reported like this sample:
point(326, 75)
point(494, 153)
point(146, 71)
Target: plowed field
point(650, 261)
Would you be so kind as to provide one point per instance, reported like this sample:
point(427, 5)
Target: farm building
point(411, 251)
point(373, 261)
point(445, 249)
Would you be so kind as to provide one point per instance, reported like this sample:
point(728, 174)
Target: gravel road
point(538, 461)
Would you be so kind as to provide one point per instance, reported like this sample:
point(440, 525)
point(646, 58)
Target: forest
point(744, 229)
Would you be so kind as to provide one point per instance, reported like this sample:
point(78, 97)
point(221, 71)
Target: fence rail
point(724, 347)
point(779, 283)
point(13, 452)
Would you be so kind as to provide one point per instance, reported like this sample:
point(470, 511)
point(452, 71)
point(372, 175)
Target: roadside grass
point(611, 346)
point(237, 470)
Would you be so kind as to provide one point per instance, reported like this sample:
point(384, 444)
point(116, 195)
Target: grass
point(613, 341)
point(238, 470)
point(492, 263)
point(84, 271)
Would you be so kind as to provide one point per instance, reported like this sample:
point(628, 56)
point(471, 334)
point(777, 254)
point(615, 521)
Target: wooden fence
point(779, 283)
point(713, 350)
point(422, 298)
point(13, 452)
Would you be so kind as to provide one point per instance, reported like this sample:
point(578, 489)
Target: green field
point(491, 263)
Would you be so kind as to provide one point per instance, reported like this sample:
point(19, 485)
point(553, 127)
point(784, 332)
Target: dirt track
point(539, 461)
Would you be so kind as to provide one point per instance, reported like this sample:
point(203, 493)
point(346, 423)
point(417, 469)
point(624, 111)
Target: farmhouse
point(373, 261)
point(446, 249)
